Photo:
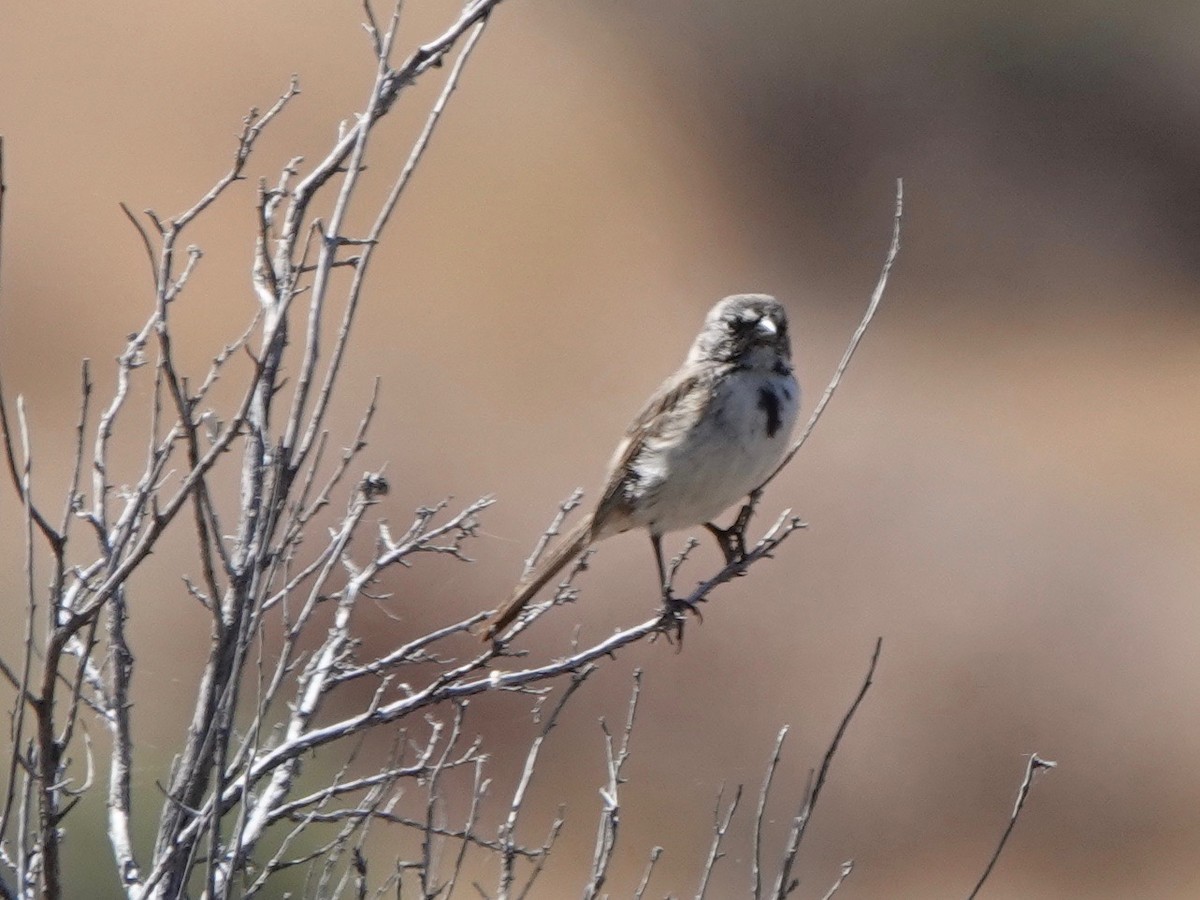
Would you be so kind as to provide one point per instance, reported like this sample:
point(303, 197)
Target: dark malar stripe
point(768, 402)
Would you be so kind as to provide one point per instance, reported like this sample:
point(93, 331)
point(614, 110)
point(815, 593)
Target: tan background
point(1006, 489)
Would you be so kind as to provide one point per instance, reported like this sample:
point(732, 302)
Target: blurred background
point(1006, 487)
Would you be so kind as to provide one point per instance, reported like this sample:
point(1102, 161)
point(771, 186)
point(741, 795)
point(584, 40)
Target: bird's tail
point(549, 566)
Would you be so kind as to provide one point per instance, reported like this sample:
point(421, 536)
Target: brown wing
point(676, 406)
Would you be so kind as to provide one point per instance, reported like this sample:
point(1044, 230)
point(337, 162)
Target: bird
point(711, 434)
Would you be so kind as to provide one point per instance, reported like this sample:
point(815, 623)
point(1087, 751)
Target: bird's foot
point(731, 540)
point(674, 615)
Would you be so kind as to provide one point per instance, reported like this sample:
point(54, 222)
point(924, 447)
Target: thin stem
point(856, 338)
point(785, 884)
point(1035, 765)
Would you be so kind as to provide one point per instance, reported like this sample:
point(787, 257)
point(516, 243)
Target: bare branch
point(785, 884)
point(847, 868)
point(1035, 765)
point(542, 853)
point(150, 255)
point(606, 836)
point(552, 530)
point(720, 826)
point(855, 340)
point(73, 502)
point(508, 828)
point(478, 792)
point(373, 237)
point(23, 684)
point(252, 126)
point(655, 855)
point(760, 814)
point(15, 471)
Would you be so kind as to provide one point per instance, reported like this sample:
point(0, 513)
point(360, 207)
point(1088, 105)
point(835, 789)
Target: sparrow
point(710, 435)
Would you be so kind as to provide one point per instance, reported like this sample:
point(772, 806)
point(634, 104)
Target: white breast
point(695, 476)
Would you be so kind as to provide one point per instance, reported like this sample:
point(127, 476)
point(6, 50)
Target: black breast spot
point(769, 404)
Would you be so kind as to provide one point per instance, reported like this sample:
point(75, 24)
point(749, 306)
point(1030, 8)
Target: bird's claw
point(674, 616)
point(679, 607)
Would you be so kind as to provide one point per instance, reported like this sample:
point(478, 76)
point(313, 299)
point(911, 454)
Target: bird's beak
point(767, 328)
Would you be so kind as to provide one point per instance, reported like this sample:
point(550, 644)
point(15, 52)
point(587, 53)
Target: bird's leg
point(664, 583)
point(673, 607)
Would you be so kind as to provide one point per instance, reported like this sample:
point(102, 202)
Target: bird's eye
point(745, 322)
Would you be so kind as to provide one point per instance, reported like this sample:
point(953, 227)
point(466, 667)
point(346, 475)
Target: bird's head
point(745, 329)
